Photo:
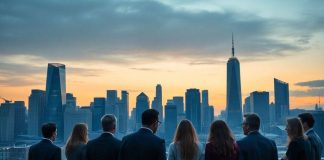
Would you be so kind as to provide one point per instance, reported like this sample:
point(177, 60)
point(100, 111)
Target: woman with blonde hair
point(299, 147)
point(75, 146)
point(221, 144)
point(185, 145)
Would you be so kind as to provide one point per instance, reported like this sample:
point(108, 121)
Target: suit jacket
point(44, 150)
point(175, 154)
point(316, 144)
point(257, 147)
point(77, 153)
point(142, 145)
point(299, 149)
point(105, 147)
point(212, 154)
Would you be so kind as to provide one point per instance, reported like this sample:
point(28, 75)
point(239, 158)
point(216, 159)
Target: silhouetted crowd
point(145, 145)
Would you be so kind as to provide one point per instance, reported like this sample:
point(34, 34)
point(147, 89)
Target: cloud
point(310, 92)
point(312, 84)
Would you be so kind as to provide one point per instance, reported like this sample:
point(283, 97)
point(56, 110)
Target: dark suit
point(77, 153)
point(316, 144)
point(257, 147)
point(44, 150)
point(105, 147)
point(142, 145)
point(299, 149)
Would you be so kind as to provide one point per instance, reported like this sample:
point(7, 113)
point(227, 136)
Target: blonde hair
point(294, 129)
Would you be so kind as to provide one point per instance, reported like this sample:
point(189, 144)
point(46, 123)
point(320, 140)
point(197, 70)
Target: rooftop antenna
point(232, 44)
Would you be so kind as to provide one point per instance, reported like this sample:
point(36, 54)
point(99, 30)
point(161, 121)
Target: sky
point(135, 44)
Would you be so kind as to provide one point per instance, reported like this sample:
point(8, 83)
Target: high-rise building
point(124, 111)
point(233, 97)
point(260, 105)
point(281, 90)
point(98, 110)
point(70, 101)
point(112, 103)
point(193, 108)
point(36, 106)
point(272, 110)
point(178, 101)
point(20, 118)
point(7, 123)
point(132, 120)
point(247, 105)
point(170, 120)
point(157, 101)
point(55, 96)
point(142, 104)
point(205, 111)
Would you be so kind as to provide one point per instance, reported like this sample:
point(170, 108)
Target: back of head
point(48, 130)
point(79, 136)
point(186, 137)
point(108, 123)
point(307, 118)
point(222, 138)
point(294, 129)
point(149, 117)
point(253, 121)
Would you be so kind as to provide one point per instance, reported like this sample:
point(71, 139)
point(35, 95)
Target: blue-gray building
point(157, 101)
point(260, 104)
point(124, 111)
point(7, 123)
point(178, 101)
point(98, 110)
point(247, 105)
point(281, 91)
point(205, 111)
point(193, 108)
point(112, 103)
point(233, 94)
point(36, 106)
point(55, 96)
point(170, 120)
point(142, 104)
point(20, 118)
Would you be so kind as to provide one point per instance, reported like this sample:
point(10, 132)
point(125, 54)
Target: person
point(143, 144)
point(75, 146)
point(106, 146)
point(308, 122)
point(255, 146)
point(45, 149)
point(221, 143)
point(185, 144)
point(299, 147)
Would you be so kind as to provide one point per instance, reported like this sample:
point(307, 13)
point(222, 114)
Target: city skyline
point(186, 47)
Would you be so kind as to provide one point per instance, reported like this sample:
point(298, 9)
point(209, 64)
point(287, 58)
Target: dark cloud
point(310, 92)
point(104, 30)
point(312, 84)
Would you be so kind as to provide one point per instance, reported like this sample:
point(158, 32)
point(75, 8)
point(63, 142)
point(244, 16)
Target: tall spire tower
point(233, 45)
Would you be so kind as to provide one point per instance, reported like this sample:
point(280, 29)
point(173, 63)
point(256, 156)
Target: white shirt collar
point(48, 139)
point(109, 133)
point(147, 129)
point(308, 130)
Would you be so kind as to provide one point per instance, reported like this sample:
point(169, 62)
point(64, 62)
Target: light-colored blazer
point(174, 152)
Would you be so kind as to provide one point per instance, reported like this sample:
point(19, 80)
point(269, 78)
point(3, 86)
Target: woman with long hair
point(75, 146)
point(299, 147)
point(221, 144)
point(185, 145)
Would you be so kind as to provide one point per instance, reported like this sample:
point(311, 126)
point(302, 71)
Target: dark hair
point(186, 138)
point(79, 136)
point(308, 118)
point(149, 117)
point(108, 122)
point(48, 129)
point(222, 138)
point(253, 121)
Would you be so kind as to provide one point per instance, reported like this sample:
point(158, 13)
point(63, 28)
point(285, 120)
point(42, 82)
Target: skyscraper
point(7, 123)
point(193, 108)
point(112, 103)
point(260, 105)
point(233, 97)
point(36, 106)
point(124, 111)
point(247, 105)
point(70, 101)
point(157, 101)
point(178, 101)
point(170, 120)
point(142, 104)
point(20, 118)
point(205, 111)
point(55, 96)
point(98, 110)
point(281, 90)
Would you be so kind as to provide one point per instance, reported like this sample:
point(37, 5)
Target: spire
point(232, 45)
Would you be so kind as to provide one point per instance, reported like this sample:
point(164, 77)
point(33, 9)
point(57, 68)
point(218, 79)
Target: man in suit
point(45, 149)
point(106, 146)
point(143, 144)
point(254, 145)
point(308, 122)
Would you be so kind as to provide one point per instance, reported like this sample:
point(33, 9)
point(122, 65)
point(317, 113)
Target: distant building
point(233, 94)
point(170, 120)
point(20, 118)
point(70, 101)
point(272, 110)
point(112, 103)
point(281, 90)
point(98, 110)
point(142, 104)
point(124, 111)
point(247, 105)
point(132, 120)
point(193, 108)
point(36, 106)
point(7, 123)
point(55, 96)
point(260, 105)
point(178, 101)
point(157, 101)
